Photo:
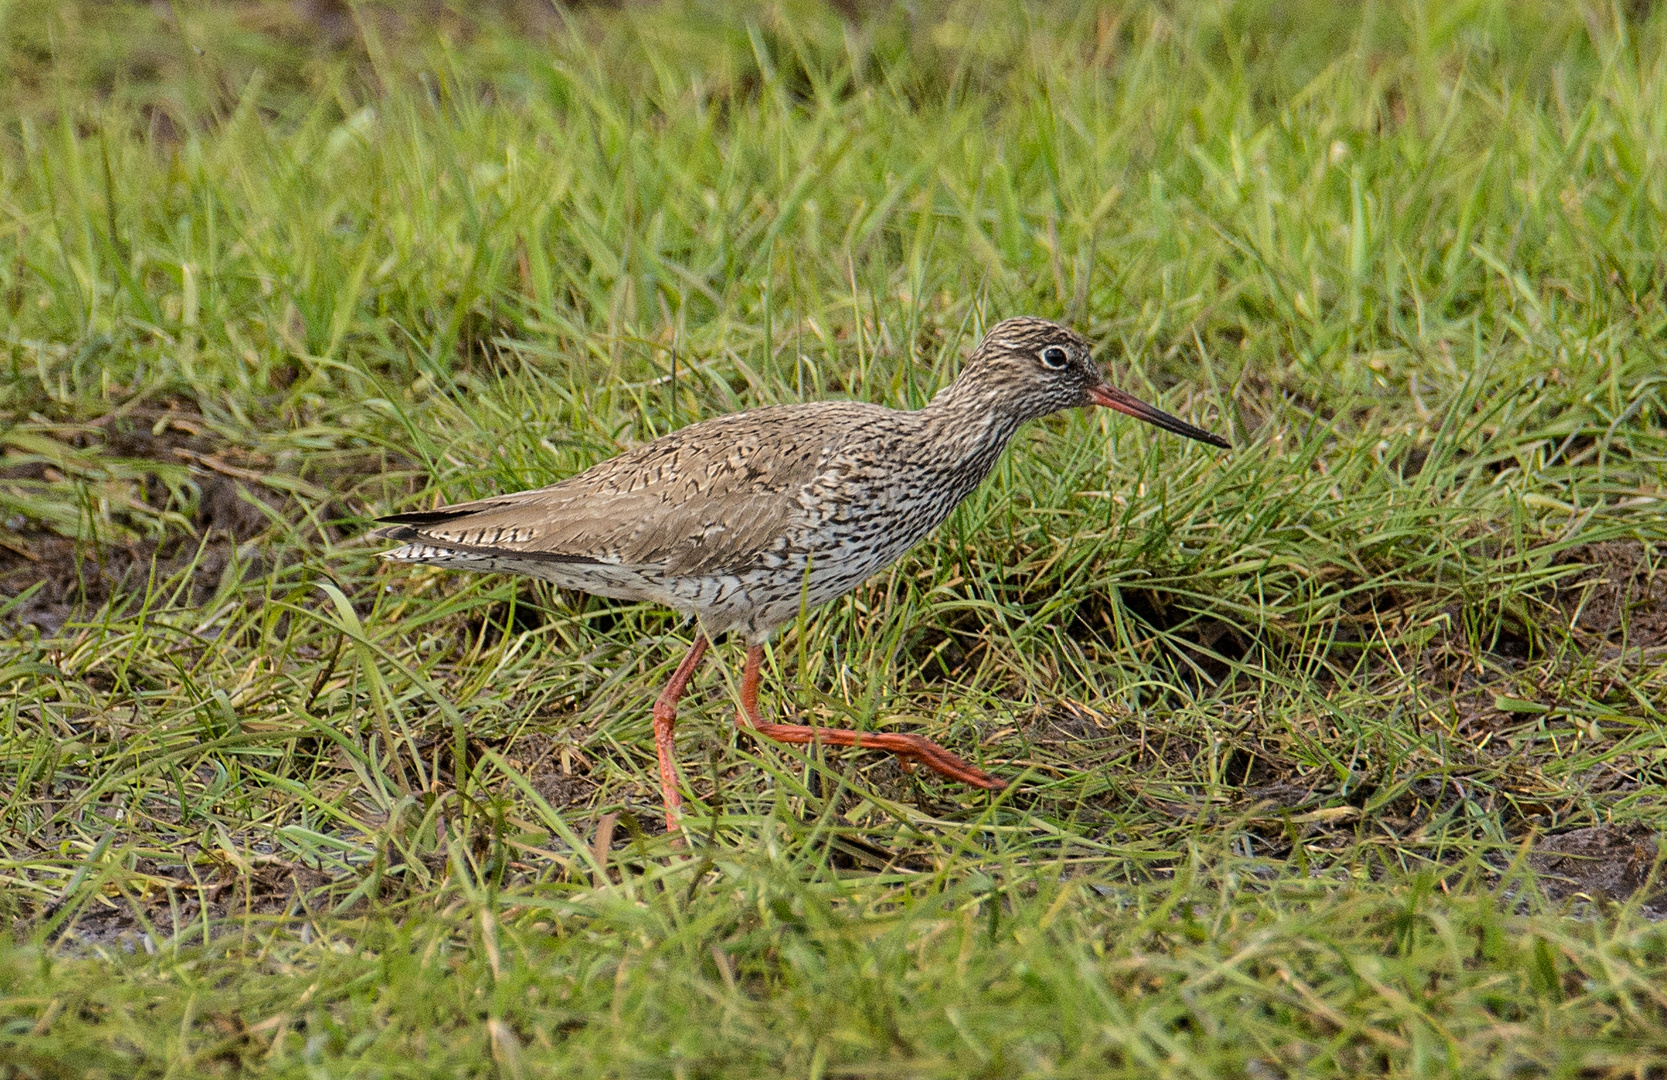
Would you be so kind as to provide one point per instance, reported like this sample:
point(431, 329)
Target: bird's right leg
point(910, 749)
point(665, 724)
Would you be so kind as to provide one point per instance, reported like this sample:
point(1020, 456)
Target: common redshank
point(741, 519)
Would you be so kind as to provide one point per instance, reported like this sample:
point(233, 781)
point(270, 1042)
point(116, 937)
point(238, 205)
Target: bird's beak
point(1113, 398)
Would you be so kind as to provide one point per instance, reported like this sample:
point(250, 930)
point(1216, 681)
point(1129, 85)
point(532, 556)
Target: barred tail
point(437, 556)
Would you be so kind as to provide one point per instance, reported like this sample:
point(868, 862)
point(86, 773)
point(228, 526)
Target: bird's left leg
point(910, 749)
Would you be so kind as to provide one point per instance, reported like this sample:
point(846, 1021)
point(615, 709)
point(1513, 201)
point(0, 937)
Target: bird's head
point(1033, 368)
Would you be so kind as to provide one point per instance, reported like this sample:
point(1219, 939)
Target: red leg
point(665, 723)
point(911, 750)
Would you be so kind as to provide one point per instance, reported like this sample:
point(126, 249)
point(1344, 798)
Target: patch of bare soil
point(1614, 606)
point(556, 769)
point(72, 576)
point(164, 900)
point(1604, 862)
point(1071, 724)
point(1619, 602)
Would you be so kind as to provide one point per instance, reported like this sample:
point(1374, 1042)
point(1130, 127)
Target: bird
point(740, 520)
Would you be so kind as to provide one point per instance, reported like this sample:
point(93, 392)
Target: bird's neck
point(966, 427)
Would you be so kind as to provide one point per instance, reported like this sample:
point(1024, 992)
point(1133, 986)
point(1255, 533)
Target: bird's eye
point(1054, 357)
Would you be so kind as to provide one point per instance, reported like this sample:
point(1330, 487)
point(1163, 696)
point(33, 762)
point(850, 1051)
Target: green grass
point(1342, 753)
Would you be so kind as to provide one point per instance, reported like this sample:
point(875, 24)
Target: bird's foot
point(911, 750)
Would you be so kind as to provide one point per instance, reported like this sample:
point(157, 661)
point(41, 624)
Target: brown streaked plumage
point(740, 519)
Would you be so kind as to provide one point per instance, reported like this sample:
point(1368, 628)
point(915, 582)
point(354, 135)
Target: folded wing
point(707, 499)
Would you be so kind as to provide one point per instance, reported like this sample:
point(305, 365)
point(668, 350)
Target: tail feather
point(428, 553)
point(420, 547)
point(409, 526)
point(427, 517)
point(412, 530)
point(402, 533)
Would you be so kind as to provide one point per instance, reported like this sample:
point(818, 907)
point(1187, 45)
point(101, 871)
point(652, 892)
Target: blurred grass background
point(1342, 753)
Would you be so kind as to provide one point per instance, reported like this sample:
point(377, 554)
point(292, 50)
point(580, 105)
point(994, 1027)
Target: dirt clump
point(557, 770)
point(1604, 862)
point(1619, 600)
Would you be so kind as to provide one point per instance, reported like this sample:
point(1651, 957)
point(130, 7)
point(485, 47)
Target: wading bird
point(740, 519)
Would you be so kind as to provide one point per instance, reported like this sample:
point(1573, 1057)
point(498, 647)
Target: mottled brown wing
point(705, 499)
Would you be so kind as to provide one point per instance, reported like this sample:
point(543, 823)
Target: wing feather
point(707, 499)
